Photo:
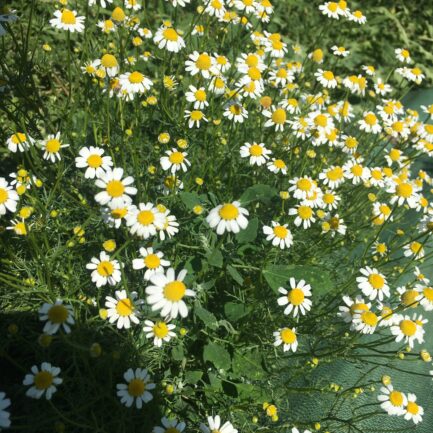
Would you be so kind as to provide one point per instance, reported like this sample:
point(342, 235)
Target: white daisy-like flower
point(339, 51)
point(387, 315)
point(113, 215)
point(160, 331)
point(144, 220)
point(133, 4)
point(8, 197)
point(333, 176)
point(326, 78)
point(304, 215)
point(5, 421)
point(373, 284)
point(296, 298)
point(66, 19)
point(214, 425)
point(277, 116)
point(123, 308)
point(279, 234)
point(56, 316)
point(197, 96)
point(370, 123)
point(194, 118)
point(382, 88)
point(52, 146)
point(414, 249)
point(365, 322)
point(230, 217)
point(413, 411)
point(105, 270)
point(108, 64)
point(43, 381)
point(215, 8)
point(102, 2)
point(301, 187)
point(403, 55)
point(356, 172)
point(331, 10)
point(167, 293)
point(169, 38)
point(277, 166)
point(201, 63)
point(392, 401)
point(236, 112)
point(353, 306)
point(357, 17)
point(134, 82)
point(287, 337)
point(151, 260)
point(256, 152)
point(116, 191)
point(404, 192)
point(19, 142)
point(170, 226)
point(408, 330)
point(330, 200)
point(182, 4)
point(136, 389)
point(426, 296)
point(92, 159)
point(174, 161)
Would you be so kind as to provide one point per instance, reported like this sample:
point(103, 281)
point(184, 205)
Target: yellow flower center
point(332, 6)
point(43, 380)
point(328, 75)
point(412, 408)
point(252, 60)
point(203, 62)
point(256, 150)
point(105, 268)
point(4, 195)
point(118, 14)
point(174, 291)
point(136, 387)
point(135, 77)
point(396, 398)
point(305, 212)
point(52, 145)
point(335, 174)
point(279, 163)
point(94, 161)
point(279, 116)
point(408, 327)
point(124, 307)
point(68, 17)
point(404, 190)
point(18, 138)
point(358, 307)
point(369, 318)
point(280, 232)
point(170, 35)
point(357, 170)
point(428, 293)
point(254, 73)
point(321, 120)
point(304, 184)
point(160, 329)
point(229, 212)
point(176, 158)
point(288, 336)
point(196, 115)
point(145, 217)
point(296, 296)
point(58, 314)
point(108, 61)
point(200, 95)
point(370, 119)
point(409, 297)
point(236, 109)
point(377, 281)
point(119, 213)
point(115, 188)
point(384, 209)
point(152, 261)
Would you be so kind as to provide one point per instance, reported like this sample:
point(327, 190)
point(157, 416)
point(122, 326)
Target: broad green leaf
point(278, 276)
point(215, 258)
point(177, 353)
point(250, 233)
point(206, 317)
point(217, 355)
point(190, 199)
point(248, 364)
point(235, 311)
point(259, 192)
point(193, 376)
point(235, 275)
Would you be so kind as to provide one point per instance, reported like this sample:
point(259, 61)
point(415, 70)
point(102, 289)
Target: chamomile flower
point(414, 249)
point(166, 293)
point(134, 4)
point(56, 316)
point(116, 189)
point(144, 219)
point(215, 8)
point(104, 270)
point(365, 322)
point(426, 296)
point(51, 146)
point(373, 284)
point(169, 227)
point(201, 63)
point(256, 152)
point(134, 83)
point(8, 197)
point(194, 118)
point(152, 261)
point(197, 96)
point(404, 192)
point(169, 38)
point(277, 117)
point(403, 55)
point(387, 315)
point(277, 166)
point(236, 112)
point(174, 161)
point(392, 401)
point(160, 331)
point(326, 78)
point(356, 172)
point(102, 2)
point(413, 411)
point(279, 234)
point(331, 10)
point(330, 200)
point(370, 123)
point(19, 142)
point(66, 19)
point(286, 337)
point(136, 389)
point(43, 381)
point(107, 26)
point(382, 88)
point(333, 224)
point(114, 214)
point(108, 63)
point(301, 187)
point(214, 424)
point(339, 51)
point(123, 308)
point(296, 299)
point(5, 421)
point(304, 215)
point(92, 159)
point(230, 217)
point(408, 330)
point(352, 307)
point(357, 17)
